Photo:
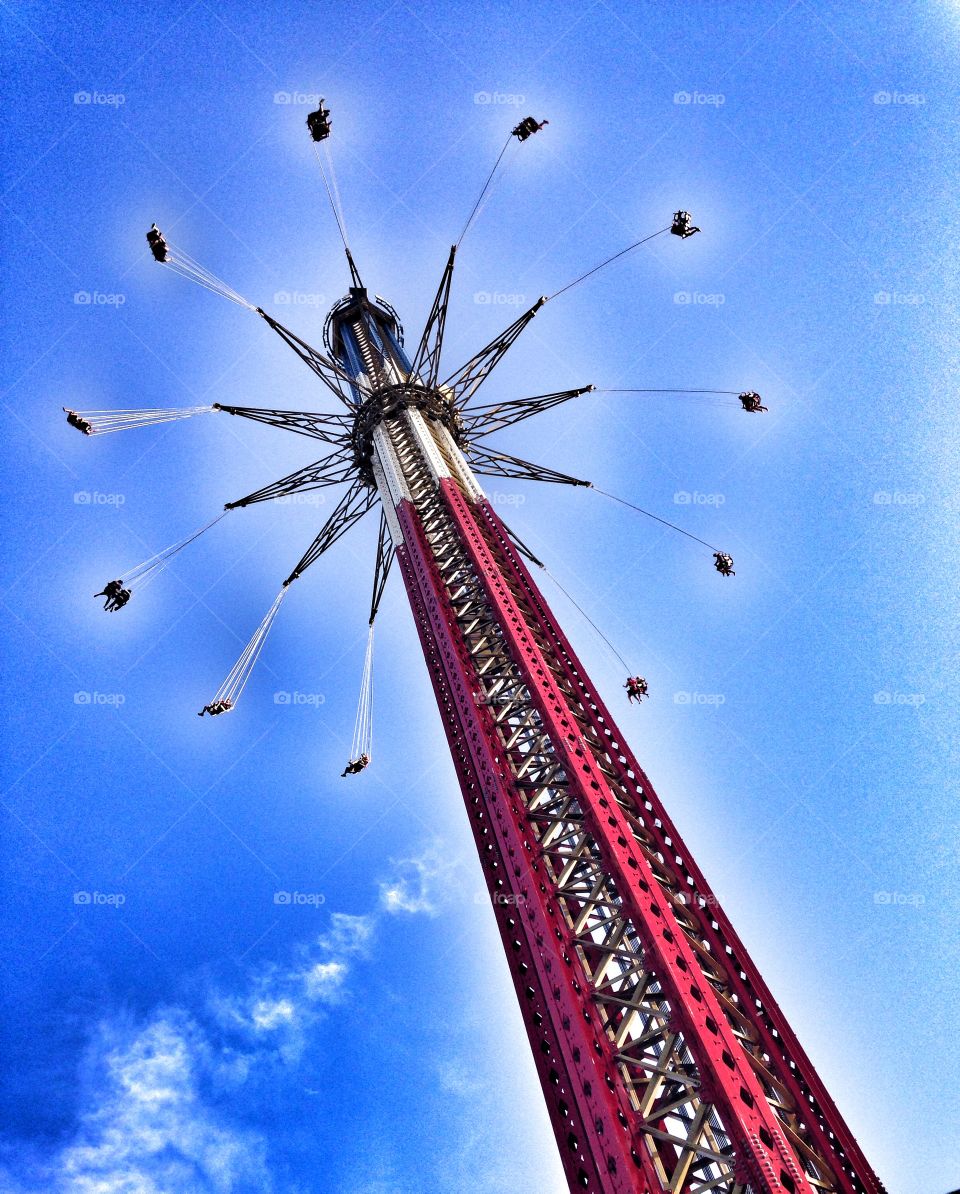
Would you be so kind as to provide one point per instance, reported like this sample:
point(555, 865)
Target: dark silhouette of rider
point(355, 766)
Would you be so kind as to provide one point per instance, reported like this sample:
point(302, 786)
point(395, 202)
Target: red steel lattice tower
point(665, 1062)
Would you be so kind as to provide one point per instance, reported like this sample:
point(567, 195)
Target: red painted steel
point(734, 1086)
point(543, 974)
point(830, 1131)
point(738, 1038)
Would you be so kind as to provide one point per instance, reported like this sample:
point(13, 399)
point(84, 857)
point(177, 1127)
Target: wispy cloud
point(348, 934)
point(422, 884)
point(280, 1003)
point(151, 1122)
point(158, 1095)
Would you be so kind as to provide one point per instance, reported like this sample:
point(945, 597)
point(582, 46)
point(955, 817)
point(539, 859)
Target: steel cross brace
point(527, 921)
point(733, 1086)
point(332, 429)
point(724, 961)
point(494, 416)
point(502, 464)
point(329, 372)
point(350, 509)
point(469, 377)
point(381, 569)
point(331, 470)
point(431, 342)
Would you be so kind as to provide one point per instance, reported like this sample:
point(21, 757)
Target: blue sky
point(182, 1031)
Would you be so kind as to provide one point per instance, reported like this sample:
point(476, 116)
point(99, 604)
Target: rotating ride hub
point(390, 401)
point(367, 339)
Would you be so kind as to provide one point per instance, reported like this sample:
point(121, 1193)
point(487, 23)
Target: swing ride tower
point(665, 1062)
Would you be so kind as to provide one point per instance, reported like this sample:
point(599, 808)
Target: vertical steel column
point(665, 1062)
point(809, 1116)
point(764, 1158)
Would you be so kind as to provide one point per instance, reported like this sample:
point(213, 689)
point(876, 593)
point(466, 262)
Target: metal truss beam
point(476, 687)
point(484, 420)
point(329, 372)
point(595, 843)
point(808, 1118)
point(426, 360)
point(690, 1148)
point(331, 470)
point(471, 376)
point(519, 544)
point(381, 570)
point(354, 272)
point(595, 906)
point(332, 429)
point(501, 464)
point(358, 499)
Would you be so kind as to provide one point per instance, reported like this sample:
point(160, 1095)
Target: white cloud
point(281, 1003)
point(147, 1128)
point(151, 1120)
point(458, 1078)
point(324, 980)
point(267, 1013)
point(419, 885)
point(348, 934)
point(158, 1096)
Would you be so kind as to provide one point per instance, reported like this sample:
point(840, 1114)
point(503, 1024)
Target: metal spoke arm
point(521, 547)
point(332, 429)
point(500, 464)
point(358, 499)
point(496, 415)
point(469, 377)
point(354, 273)
point(326, 369)
point(385, 555)
point(331, 470)
point(426, 361)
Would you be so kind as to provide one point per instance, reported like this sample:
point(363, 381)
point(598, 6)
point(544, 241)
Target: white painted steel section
point(385, 453)
point(458, 463)
point(386, 500)
point(425, 441)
